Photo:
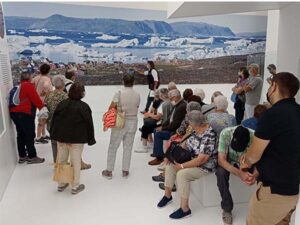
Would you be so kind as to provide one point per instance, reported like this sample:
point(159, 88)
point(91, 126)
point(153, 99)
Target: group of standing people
point(268, 154)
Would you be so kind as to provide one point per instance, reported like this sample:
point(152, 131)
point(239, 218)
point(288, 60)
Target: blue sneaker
point(164, 201)
point(180, 214)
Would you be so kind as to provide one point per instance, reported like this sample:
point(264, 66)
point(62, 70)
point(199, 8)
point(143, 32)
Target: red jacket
point(29, 99)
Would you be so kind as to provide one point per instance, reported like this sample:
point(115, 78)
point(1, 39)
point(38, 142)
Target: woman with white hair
point(220, 118)
point(52, 100)
point(199, 92)
point(202, 146)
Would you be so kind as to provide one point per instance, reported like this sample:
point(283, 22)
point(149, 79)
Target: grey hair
point(191, 106)
point(255, 67)
point(221, 102)
point(58, 81)
point(172, 86)
point(163, 93)
point(216, 94)
point(199, 92)
point(196, 117)
point(174, 93)
point(156, 93)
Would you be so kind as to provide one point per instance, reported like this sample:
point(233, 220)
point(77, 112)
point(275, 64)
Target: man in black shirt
point(275, 153)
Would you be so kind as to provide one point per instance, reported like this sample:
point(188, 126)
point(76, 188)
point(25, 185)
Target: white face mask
point(173, 102)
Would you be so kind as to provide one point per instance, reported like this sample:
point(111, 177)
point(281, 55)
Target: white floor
point(31, 197)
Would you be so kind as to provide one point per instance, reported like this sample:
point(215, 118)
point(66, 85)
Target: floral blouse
point(204, 144)
point(52, 100)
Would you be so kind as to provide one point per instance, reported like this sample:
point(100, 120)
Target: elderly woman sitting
point(202, 145)
point(220, 118)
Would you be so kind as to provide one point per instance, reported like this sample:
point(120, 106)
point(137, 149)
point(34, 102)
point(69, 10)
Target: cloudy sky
point(237, 23)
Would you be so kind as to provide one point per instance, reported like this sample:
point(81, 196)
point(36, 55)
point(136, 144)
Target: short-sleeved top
point(233, 157)
point(219, 121)
point(250, 123)
point(279, 166)
point(204, 144)
point(165, 109)
point(52, 100)
point(253, 96)
point(130, 101)
point(155, 79)
point(43, 85)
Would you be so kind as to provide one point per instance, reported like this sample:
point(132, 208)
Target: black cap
point(240, 139)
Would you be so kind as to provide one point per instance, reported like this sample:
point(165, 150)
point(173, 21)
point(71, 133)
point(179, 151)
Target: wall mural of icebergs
point(112, 45)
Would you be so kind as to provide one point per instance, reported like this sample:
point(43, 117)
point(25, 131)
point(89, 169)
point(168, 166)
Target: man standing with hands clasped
point(275, 153)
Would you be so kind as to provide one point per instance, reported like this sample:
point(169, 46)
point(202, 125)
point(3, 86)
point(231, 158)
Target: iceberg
point(122, 44)
point(107, 37)
point(39, 30)
point(238, 43)
point(187, 42)
point(42, 39)
point(155, 42)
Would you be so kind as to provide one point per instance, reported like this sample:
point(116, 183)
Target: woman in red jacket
point(23, 116)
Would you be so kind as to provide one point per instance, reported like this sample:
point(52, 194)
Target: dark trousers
point(25, 134)
point(148, 127)
point(159, 138)
point(239, 107)
point(223, 185)
point(149, 101)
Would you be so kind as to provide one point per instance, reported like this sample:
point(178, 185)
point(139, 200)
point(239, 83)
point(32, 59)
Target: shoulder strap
point(185, 138)
point(119, 102)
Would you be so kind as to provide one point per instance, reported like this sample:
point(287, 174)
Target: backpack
point(14, 96)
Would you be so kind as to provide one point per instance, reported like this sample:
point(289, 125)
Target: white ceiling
point(193, 9)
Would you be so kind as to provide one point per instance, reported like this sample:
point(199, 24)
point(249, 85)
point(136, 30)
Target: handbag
point(63, 172)
point(120, 116)
point(114, 118)
point(178, 154)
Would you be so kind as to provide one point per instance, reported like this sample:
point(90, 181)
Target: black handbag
point(176, 153)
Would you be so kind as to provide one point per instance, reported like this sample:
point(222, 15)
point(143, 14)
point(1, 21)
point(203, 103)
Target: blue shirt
point(250, 123)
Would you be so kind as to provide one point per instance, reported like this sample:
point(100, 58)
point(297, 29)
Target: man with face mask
point(233, 143)
point(252, 90)
point(168, 128)
point(275, 152)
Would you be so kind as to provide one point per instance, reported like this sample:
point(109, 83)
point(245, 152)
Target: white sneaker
point(143, 149)
point(162, 166)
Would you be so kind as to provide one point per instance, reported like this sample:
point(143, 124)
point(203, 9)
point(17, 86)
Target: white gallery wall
point(8, 154)
point(288, 58)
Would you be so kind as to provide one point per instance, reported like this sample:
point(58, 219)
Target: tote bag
point(63, 172)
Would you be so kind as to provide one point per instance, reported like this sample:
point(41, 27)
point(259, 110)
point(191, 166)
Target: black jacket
point(72, 122)
point(179, 115)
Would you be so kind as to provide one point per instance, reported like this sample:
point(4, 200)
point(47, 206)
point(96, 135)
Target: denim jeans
point(159, 138)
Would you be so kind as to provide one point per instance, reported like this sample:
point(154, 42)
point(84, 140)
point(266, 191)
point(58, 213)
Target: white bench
point(206, 190)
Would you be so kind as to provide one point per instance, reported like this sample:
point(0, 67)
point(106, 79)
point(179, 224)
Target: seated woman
point(258, 112)
point(202, 145)
point(207, 109)
point(151, 121)
point(182, 132)
point(220, 118)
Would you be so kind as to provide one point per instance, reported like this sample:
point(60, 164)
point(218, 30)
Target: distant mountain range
point(116, 26)
point(252, 34)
